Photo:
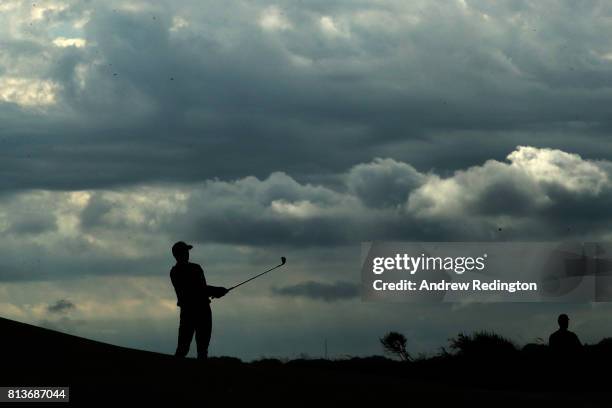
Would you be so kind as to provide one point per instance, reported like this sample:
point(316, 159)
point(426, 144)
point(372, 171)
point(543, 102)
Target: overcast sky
point(255, 129)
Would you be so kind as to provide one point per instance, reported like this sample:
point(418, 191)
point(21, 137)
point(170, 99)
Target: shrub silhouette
point(602, 349)
point(394, 343)
point(605, 343)
point(534, 349)
point(482, 344)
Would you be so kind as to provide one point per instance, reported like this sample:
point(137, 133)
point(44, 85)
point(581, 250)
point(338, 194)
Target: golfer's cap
point(180, 246)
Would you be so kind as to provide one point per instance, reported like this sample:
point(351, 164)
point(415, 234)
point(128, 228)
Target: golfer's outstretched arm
point(212, 291)
point(216, 291)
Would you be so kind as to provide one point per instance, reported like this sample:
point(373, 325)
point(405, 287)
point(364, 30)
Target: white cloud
point(81, 21)
point(331, 27)
point(9, 5)
point(300, 61)
point(567, 170)
point(69, 42)
point(274, 19)
point(80, 74)
point(135, 6)
point(532, 181)
point(40, 9)
point(298, 209)
point(178, 23)
point(28, 92)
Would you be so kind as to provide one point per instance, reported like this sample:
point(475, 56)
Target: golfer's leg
point(185, 333)
point(203, 332)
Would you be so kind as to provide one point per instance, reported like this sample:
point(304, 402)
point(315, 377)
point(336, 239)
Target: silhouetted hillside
point(98, 372)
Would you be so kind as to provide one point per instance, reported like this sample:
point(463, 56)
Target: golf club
point(283, 261)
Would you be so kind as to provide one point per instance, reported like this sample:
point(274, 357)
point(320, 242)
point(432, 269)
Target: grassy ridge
point(479, 368)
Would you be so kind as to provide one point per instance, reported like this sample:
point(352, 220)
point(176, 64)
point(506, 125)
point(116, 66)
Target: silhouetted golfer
point(564, 340)
point(193, 295)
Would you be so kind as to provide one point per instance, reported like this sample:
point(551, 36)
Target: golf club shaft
point(256, 276)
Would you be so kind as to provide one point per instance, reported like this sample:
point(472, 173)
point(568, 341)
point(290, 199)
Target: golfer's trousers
point(194, 319)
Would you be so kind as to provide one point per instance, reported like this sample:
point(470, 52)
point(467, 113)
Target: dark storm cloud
point(96, 209)
point(534, 193)
point(530, 195)
point(384, 183)
point(28, 215)
point(334, 85)
point(541, 194)
point(61, 306)
point(328, 292)
point(33, 223)
point(319, 124)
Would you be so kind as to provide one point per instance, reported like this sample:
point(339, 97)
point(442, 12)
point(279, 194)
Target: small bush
point(482, 344)
point(394, 343)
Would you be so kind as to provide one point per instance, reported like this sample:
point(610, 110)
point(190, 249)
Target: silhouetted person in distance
point(193, 295)
point(563, 340)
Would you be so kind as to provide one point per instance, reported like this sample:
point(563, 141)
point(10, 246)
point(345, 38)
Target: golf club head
point(283, 260)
